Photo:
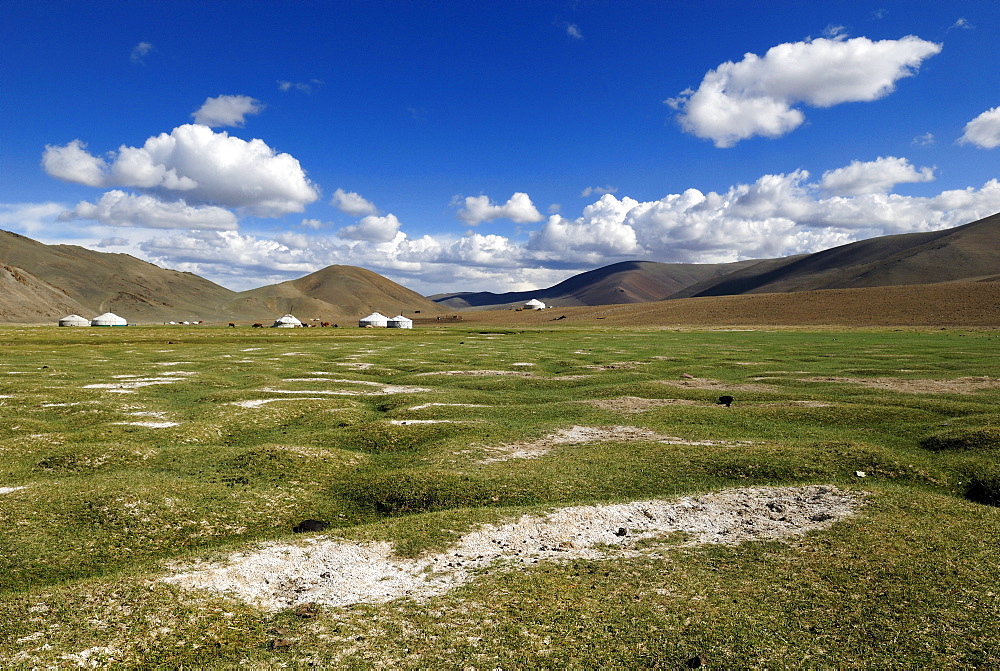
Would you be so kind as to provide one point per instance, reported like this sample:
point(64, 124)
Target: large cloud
point(226, 111)
point(984, 130)
point(878, 176)
point(197, 164)
point(518, 209)
point(757, 95)
point(117, 208)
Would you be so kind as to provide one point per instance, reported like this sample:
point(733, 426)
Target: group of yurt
point(107, 319)
point(374, 320)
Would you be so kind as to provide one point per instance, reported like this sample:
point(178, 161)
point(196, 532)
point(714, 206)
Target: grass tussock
point(130, 454)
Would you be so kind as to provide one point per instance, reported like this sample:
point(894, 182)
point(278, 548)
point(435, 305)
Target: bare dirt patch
point(721, 385)
point(329, 572)
point(634, 404)
point(448, 405)
point(961, 385)
point(577, 435)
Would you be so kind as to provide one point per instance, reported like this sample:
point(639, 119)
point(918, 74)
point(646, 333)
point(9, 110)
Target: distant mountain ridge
point(40, 283)
point(965, 253)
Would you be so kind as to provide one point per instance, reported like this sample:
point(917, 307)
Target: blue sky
point(463, 146)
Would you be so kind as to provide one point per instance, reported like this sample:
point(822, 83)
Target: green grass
point(107, 505)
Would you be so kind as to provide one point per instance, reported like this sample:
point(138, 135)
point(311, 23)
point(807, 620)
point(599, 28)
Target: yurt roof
point(74, 319)
point(400, 318)
point(375, 316)
point(534, 301)
point(109, 318)
point(287, 319)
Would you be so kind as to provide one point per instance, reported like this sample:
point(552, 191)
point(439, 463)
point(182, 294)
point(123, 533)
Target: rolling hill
point(41, 283)
point(625, 282)
point(965, 253)
point(335, 292)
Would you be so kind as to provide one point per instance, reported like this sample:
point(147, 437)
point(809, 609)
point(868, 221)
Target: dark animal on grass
point(258, 326)
point(324, 324)
point(232, 325)
point(725, 400)
point(310, 525)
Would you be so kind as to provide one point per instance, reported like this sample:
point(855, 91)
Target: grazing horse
point(258, 325)
point(324, 324)
point(232, 325)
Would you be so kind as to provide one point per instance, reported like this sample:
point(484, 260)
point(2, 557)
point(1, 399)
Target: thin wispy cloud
point(573, 31)
point(598, 190)
point(302, 87)
point(140, 51)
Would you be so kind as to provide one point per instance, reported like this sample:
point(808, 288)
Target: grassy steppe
point(171, 457)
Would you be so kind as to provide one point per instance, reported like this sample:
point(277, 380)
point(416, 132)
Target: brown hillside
point(102, 282)
point(335, 293)
point(951, 304)
point(625, 282)
point(25, 298)
point(967, 252)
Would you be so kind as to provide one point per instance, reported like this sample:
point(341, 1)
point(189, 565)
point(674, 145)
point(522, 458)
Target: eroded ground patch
point(330, 572)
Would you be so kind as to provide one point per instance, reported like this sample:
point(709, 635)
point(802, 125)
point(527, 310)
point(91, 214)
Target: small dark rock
point(622, 531)
point(310, 525)
point(306, 610)
point(725, 400)
point(279, 644)
point(695, 662)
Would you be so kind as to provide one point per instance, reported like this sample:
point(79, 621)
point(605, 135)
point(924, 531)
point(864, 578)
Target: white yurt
point(108, 319)
point(400, 322)
point(534, 304)
point(286, 322)
point(375, 319)
point(74, 320)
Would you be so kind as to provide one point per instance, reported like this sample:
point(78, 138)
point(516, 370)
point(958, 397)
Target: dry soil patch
point(331, 572)
point(961, 385)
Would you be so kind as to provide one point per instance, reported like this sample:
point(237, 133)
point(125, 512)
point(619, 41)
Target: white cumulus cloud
point(984, 130)
point(878, 176)
point(352, 203)
point(372, 228)
point(117, 208)
point(194, 162)
point(477, 209)
point(758, 95)
point(226, 111)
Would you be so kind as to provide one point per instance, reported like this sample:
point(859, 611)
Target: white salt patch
point(177, 373)
point(448, 405)
point(421, 421)
point(8, 490)
point(6, 396)
point(172, 363)
point(294, 354)
point(256, 403)
point(251, 349)
point(151, 425)
point(576, 435)
point(275, 576)
point(133, 384)
point(148, 413)
point(522, 364)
